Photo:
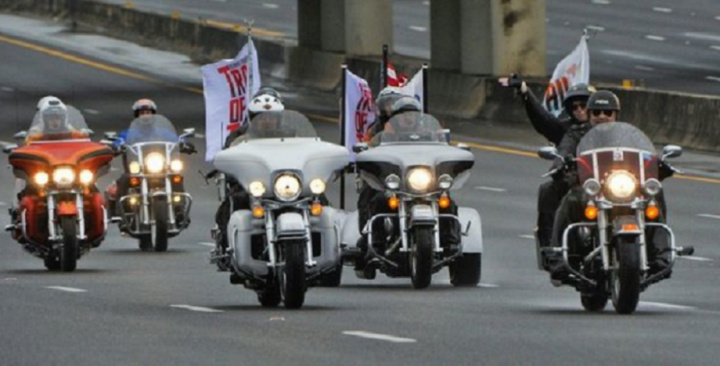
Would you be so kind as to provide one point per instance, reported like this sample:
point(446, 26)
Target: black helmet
point(604, 100)
point(577, 92)
point(405, 104)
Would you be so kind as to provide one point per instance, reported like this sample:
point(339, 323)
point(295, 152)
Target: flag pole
point(343, 141)
point(426, 93)
point(248, 66)
point(383, 70)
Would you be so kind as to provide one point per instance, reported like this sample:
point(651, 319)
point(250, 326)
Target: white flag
point(414, 87)
point(228, 86)
point(573, 69)
point(359, 109)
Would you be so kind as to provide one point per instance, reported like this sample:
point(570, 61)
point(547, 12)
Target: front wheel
point(421, 256)
point(465, 270)
point(292, 277)
point(160, 211)
point(69, 251)
point(626, 278)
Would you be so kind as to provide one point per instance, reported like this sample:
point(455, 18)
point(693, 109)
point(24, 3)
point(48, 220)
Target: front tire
point(465, 271)
point(160, 211)
point(626, 279)
point(421, 257)
point(69, 251)
point(292, 277)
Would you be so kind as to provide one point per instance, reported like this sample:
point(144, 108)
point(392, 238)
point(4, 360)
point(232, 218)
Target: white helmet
point(265, 103)
point(49, 100)
point(143, 104)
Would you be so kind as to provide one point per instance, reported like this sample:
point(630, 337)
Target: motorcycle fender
point(290, 223)
point(422, 215)
point(66, 208)
point(626, 225)
point(471, 224)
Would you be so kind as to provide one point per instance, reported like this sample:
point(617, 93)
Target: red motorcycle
point(60, 214)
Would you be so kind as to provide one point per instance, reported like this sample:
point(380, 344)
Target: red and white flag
point(573, 69)
point(228, 86)
point(359, 109)
point(393, 79)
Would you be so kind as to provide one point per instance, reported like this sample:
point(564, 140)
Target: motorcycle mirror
point(360, 147)
point(463, 146)
point(672, 151)
point(111, 135)
point(20, 135)
point(548, 153)
point(188, 132)
point(9, 148)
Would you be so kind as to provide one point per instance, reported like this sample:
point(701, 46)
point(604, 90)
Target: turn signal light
point(591, 212)
point(316, 209)
point(393, 202)
point(652, 212)
point(629, 227)
point(258, 212)
point(444, 202)
point(134, 181)
point(177, 179)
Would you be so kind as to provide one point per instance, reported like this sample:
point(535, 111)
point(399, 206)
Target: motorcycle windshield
point(411, 127)
point(615, 146)
point(153, 128)
point(59, 125)
point(285, 124)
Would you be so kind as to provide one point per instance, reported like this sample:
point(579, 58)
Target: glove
point(188, 147)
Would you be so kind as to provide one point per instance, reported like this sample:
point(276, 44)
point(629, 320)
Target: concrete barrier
point(688, 120)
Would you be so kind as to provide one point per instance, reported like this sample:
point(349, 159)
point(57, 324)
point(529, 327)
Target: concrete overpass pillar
point(488, 37)
point(368, 25)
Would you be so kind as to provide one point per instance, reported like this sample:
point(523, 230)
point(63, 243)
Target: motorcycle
point(155, 205)
point(60, 214)
point(607, 253)
point(284, 239)
point(415, 172)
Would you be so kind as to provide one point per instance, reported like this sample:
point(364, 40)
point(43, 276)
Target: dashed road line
point(487, 285)
point(418, 28)
point(270, 6)
point(596, 28)
point(66, 289)
point(667, 306)
point(713, 78)
point(7, 89)
point(195, 308)
point(492, 189)
point(708, 216)
point(378, 336)
point(92, 111)
point(527, 236)
point(714, 47)
point(3, 203)
point(697, 259)
point(644, 68)
point(662, 10)
point(207, 244)
point(601, 2)
point(653, 37)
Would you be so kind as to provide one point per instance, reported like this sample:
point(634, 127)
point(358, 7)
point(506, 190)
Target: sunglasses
point(597, 113)
point(579, 106)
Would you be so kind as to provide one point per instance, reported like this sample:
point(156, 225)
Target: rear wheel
point(466, 270)
point(421, 256)
point(626, 279)
point(160, 211)
point(69, 251)
point(292, 277)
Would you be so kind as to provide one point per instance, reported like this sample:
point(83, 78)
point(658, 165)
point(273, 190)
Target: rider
point(266, 99)
point(54, 122)
point(603, 107)
point(383, 103)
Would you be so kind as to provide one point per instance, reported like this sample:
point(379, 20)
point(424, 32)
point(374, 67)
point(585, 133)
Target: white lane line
point(488, 285)
point(207, 244)
point(195, 308)
point(271, 6)
point(662, 10)
point(644, 68)
point(66, 289)
point(493, 189)
point(714, 47)
point(3, 203)
point(91, 111)
point(697, 259)
point(601, 2)
point(418, 28)
point(378, 336)
point(708, 216)
point(703, 36)
point(667, 306)
point(7, 89)
point(717, 17)
point(713, 78)
point(426, 3)
point(527, 236)
point(596, 28)
point(655, 38)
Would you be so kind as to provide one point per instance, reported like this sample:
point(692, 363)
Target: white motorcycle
point(285, 240)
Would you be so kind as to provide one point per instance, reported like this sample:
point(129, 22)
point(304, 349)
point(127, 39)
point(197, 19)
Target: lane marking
point(239, 28)
point(596, 28)
point(662, 10)
point(271, 6)
point(418, 28)
point(644, 68)
point(207, 244)
point(427, 3)
point(7, 89)
point(716, 48)
point(487, 285)
point(91, 111)
point(3, 203)
point(709, 216)
point(667, 306)
point(66, 289)
point(713, 78)
point(697, 179)
point(696, 259)
point(655, 38)
point(195, 308)
point(601, 2)
point(525, 236)
point(492, 189)
point(378, 336)
point(717, 17)
point(703, 36)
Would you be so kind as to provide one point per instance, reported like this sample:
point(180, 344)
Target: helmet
point(385, 100)
point(405, 104)
point(577, 92)
point(269, 91)
point(265, 103)
point(54, 116)
point(143, 105)
point(604, 100)
point(47, 101)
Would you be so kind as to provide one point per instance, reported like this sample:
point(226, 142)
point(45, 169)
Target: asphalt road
point(126, 307)
point(660, 44)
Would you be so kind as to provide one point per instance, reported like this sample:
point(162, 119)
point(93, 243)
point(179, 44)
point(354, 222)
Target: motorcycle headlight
point(621, 185)
point(41, 178)
point(652, 187)
point(392, 181)
point(176, 166)
point(155, 163)
point(419, 179)
point(257, 189)
point(134, 167)
point(317, 186)
point(86, 177)
point(445, 181)
point(287, 187)
point(63, 177)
